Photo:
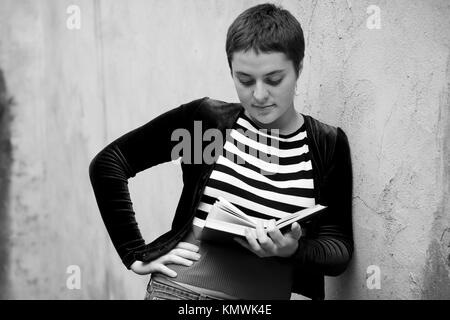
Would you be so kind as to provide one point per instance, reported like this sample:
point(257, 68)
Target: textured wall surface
point(74, 91)
point(389, 89)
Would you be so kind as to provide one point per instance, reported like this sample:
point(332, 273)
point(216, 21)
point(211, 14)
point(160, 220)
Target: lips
point(263, 107)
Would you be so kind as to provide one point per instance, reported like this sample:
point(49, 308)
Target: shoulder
point(320, 129)
point(327, 140)
point(216, 113)
point(325, 131)
point(213, 107)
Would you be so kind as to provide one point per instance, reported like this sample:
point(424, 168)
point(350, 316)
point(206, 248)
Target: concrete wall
point(73, 91)
point(389, 89)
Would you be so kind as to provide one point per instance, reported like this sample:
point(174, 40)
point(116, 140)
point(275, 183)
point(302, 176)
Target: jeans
point(160, 288)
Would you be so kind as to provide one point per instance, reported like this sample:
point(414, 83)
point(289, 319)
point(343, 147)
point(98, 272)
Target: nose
point(260, 94)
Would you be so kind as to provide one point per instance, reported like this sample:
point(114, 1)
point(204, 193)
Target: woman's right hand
point(183, 254)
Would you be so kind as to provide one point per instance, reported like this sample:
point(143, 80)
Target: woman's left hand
point(271, 242)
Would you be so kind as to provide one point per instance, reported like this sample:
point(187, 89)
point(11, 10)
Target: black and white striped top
point(276, 182)
point(265, 175)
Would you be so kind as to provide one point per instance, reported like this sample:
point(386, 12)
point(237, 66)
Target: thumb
point(296, 231)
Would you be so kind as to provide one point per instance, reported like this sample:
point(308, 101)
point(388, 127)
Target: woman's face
point(265, 84)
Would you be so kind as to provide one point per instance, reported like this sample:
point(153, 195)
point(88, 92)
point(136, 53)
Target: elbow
point(108, 166)
point(337, 268)
point(102, 165)
point(93, 169)
point(340, 263)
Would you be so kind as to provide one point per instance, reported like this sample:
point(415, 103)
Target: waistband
point(194, 290)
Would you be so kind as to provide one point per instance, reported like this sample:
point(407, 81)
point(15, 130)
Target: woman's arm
point(109, 171)
point(330, 249)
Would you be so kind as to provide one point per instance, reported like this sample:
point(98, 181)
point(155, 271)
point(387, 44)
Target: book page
point(230, 208)
point(217, 213)
point(223, 231)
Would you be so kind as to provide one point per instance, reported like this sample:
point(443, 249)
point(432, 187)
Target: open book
point(225, 221)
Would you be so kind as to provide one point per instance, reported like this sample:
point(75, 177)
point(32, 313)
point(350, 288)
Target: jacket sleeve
point(328, 251)
point(140, 149)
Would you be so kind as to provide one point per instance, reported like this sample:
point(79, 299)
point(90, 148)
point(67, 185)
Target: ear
point(300, 68)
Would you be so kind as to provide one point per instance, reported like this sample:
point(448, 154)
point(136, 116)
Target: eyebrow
point(240, 73)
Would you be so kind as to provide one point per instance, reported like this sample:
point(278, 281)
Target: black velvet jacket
point(326, 246)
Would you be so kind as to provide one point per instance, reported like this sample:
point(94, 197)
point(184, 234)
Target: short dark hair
point(267, 28)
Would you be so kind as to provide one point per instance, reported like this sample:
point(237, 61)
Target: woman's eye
point(273, 82)
point(246, 83)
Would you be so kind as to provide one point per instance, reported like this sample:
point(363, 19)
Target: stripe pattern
point(265, 174)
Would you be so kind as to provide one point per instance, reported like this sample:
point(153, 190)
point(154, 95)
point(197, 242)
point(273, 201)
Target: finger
point(243, 243)
point(246, 245)
point(187, 246)
point(275, 234)
point(173, 258)
point(261, 233)
point(165, 270)
point(142, 268)
point(186, 254)
point(265, 242)
point(250, 235)
point(296, 231)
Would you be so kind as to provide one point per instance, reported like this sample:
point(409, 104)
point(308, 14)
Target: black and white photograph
point(224, 150)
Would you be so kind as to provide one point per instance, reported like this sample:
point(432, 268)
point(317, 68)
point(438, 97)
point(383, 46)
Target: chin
point(265, 119)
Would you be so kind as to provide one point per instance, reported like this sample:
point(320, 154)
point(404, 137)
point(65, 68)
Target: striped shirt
point(267, 176)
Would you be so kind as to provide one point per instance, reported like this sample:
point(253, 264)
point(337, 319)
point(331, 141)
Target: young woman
point(309, 163)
